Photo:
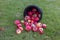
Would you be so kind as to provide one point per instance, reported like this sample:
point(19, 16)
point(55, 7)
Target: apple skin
point(29, 21)
point(41, 30)
point(19, 25)
point(36, 19)
point(26, 23)
point(17, 22)
point(28, 28)
point(21, 28)
point(27, 18)
point(44, 26)
point(18, 31)
point(30, 13)
point(39, 25)
point(35, 29)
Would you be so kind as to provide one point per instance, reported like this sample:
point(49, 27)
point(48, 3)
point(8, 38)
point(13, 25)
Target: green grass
point(11, 10)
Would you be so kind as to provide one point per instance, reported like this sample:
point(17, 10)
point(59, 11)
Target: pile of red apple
point(30, 22)
point(19, 26)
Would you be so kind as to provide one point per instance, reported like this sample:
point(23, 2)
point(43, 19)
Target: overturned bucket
point(30, 8)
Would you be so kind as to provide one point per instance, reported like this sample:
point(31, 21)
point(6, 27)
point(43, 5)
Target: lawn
point(11, 10)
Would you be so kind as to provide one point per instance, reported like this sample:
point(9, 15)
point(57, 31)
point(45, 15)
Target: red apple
point(32, 21)
point(34, 29)
point(32, 18)
point(34, 15)
point(28, 28)
point(36, 19)
point(33, 25)
point(26, 23)
point(29, 21)
point(39, 15)
point(44, 26)
point(21, 28)
point(27, 18)
point(18, 31)
point(30, 13)
point(39, 25)
point(19, 25)
point(41, 30)
point(17, 22)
